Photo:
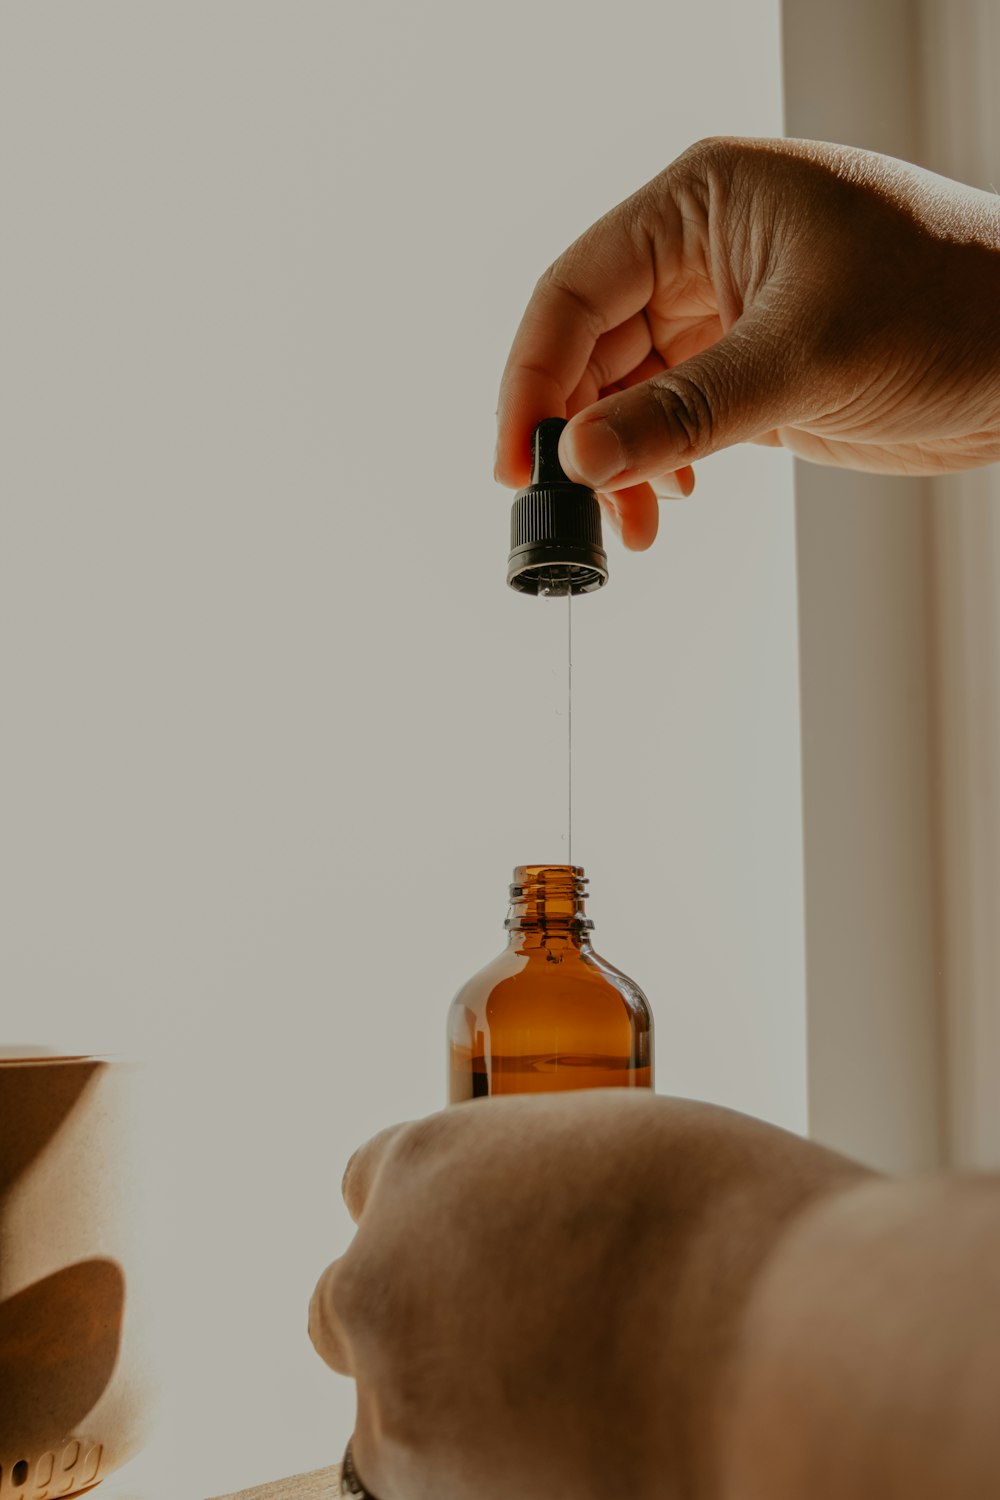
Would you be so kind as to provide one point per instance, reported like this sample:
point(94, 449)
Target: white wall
point(899, 640)
point(959, 58)
point(274, 730)
point(875, 1086)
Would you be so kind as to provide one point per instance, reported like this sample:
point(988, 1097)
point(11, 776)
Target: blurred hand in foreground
point(544, 1292)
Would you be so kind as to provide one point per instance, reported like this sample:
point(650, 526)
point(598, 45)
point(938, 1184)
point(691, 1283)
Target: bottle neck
point(548, 900)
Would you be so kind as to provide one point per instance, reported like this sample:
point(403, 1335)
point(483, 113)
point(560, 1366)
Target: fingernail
point(612, 516)
point(667, 487)
point(595, 452)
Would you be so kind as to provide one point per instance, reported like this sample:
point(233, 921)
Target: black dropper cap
point(555, 526)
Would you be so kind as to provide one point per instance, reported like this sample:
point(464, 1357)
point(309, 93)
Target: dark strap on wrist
point(350, 1484)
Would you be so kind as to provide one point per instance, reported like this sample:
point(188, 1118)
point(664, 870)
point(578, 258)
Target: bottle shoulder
point(555, 968)
point(621, 981)
point(505, 965)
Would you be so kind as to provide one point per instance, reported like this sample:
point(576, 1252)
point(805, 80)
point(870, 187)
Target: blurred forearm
point(869, 1361)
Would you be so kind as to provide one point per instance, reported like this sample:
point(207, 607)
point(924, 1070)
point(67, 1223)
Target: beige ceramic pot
point(74, 1393)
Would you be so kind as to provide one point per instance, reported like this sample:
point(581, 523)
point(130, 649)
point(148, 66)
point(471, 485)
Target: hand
point(543, 1294)
point(841, 304)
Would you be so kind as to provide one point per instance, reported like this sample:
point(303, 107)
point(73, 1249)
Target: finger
point(609, 510)
point(743, 385)
point(363, 1167)
point(636, 518)
point(634, 513)
point(676, 486)
point(652, 365)
point(615, 357)
point(679, 484)
point(325, 1327)
point(638, 515)
point(600, 282)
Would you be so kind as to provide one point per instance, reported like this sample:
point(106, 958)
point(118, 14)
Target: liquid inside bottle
point(548, 1013)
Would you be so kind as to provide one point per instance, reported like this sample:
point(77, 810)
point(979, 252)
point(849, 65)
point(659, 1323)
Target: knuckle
point(324, 1324)
point(706, 148)
point(685, 410)
point(724, 150)
point(363, 1297)
point(563, 281)
point(420, 1140)
point(706, 157)
point(544, 281)
point(719, 166)
point(639, 212)
point(349, 1183)
point(365, 1167)
point(600, 372)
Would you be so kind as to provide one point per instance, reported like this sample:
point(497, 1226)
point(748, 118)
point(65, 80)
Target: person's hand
point(543, 1294)
point(841, 304)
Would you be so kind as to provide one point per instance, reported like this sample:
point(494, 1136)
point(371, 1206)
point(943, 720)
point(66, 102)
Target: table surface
point(320, 1484)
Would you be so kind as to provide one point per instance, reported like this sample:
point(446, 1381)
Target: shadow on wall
point(60, 1333)
point(34, 1102)
point(59, 1343)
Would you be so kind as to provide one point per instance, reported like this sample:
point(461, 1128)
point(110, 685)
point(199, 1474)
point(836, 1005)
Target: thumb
point(747, 383)
point(326, 1328)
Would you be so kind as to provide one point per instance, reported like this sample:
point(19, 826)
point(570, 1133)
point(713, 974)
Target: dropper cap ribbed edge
point(556, 543)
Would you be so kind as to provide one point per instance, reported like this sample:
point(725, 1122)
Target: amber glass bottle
point(548, 1013)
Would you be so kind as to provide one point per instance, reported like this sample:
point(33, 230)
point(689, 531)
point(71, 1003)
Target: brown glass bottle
point(548, 1013)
